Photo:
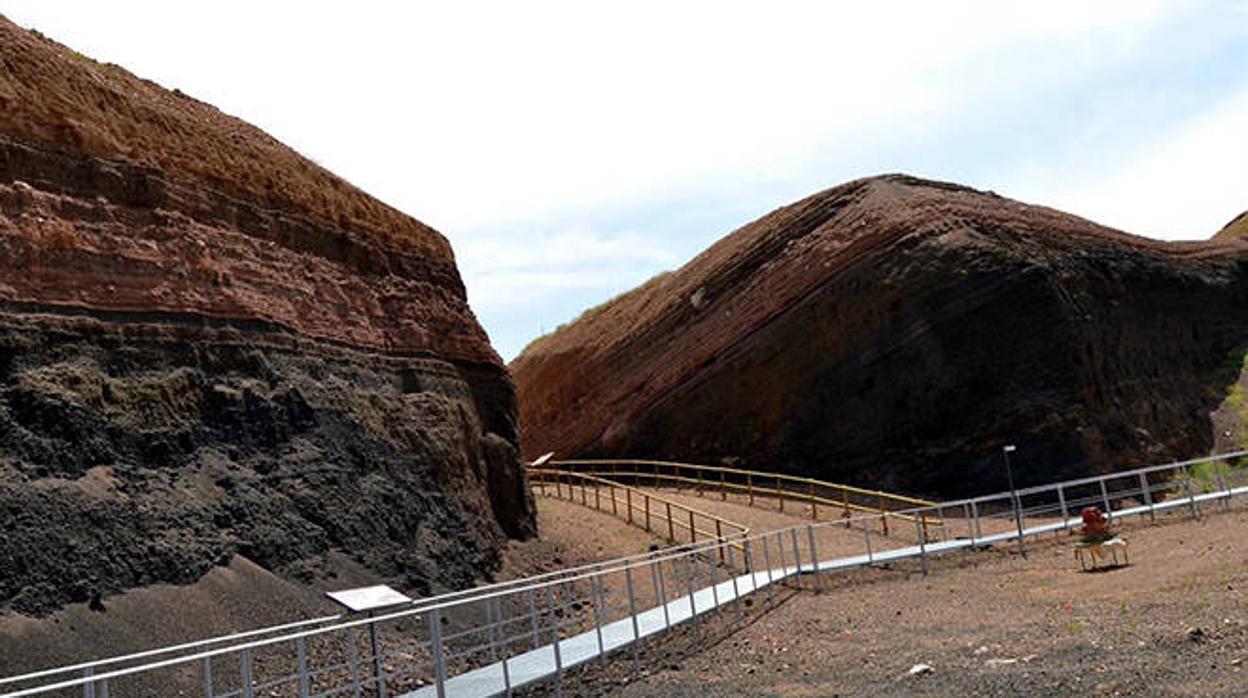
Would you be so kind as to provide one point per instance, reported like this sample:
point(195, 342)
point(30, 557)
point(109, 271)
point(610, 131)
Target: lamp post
point(1018, 508)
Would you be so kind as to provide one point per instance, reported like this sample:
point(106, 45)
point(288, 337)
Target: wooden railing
point(834, 499)
point(678, 523)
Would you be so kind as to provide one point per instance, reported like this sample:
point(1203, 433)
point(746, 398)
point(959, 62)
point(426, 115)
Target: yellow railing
point(845, 500)
point(678, 523)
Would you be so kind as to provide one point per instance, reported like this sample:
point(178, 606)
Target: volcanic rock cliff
point(211, 346)
point(897, 332)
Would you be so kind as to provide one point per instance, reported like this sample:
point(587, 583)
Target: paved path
point(551, 660)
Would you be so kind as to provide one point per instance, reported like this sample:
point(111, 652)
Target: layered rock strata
point(897, 332)
point(211, 346)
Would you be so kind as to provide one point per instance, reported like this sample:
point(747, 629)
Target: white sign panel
point(368, 598)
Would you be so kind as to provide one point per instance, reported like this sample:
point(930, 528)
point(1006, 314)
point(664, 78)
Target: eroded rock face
point(897, 332)
point(209, 346)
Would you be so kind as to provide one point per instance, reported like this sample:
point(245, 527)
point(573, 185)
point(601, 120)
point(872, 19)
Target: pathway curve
point(553, 659)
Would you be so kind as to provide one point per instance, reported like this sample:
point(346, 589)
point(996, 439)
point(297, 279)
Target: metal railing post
point(208, 692)
point(918, 531)
point(1109, 512)
point(301, 651)
point(498, 613)
point(1018, 521)
point(736, 591)
point(693, 606)
point(628, 503)
point(797, 553)
point(492, 626)
point(714, 576)
point(671, 526)
point(596, 585)
point(814, 559)
point(379, 670)
point(719, 537)
point(554, 629)
point(632, 613)
point(1191, 495)
point(770, 580)
point(1226, 501)
point(647, 505)
point(814, 504)
point(866, 533)
point(1146, 496)
point(784, 566)
point(693, 531)
point(533, 621)
point(244, 662)
point(657, 573)
point(353, 658)
point(779, 495)
point(88, 689)
point(435, 647)
point(979, 532)
point(1061, 501)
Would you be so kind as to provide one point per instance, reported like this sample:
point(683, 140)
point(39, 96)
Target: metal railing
point(828, 498)
point(678, 523)
point(500, 637)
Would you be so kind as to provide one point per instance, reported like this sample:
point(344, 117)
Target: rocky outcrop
point(209, 345)
point(897, 332)
point(1236, 229)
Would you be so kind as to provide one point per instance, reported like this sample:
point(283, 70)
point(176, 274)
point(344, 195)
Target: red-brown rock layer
point(897, 332)
point(209, 345)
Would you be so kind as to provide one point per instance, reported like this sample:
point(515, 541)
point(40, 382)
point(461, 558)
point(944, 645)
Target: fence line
point(499, 638)
point(755, 486)
point(639, 508)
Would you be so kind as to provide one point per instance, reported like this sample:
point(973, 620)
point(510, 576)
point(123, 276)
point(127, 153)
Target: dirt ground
point(989, 623)
point(572, 535)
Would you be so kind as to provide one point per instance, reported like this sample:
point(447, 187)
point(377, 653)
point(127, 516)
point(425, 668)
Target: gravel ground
point(1173, 622)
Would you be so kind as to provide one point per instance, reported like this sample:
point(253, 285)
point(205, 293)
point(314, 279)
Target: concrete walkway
point(552, 660)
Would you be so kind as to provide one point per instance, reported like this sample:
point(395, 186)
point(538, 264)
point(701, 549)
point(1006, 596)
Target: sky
point(572, 150)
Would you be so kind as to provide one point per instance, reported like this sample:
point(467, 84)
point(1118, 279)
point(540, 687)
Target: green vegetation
point(1205, 476)
point(1236, 400)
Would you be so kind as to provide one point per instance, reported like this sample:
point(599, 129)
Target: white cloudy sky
point(572, 150)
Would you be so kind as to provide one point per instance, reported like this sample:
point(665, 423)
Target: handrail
point(1142, 495)
point(881, 504)
point(636, 504)
point(233, 637)
point(741, 471)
